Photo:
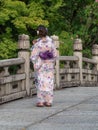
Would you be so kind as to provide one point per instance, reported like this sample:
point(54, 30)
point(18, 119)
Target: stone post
point(78, 52)
point(95, 53)
point(24, 46)
point(95, 57)
point(57, 67)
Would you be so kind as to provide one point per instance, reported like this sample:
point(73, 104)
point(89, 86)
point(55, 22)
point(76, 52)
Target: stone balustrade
point(17, 76)
point(12, 79)
point(90, 72)
point(69, 71)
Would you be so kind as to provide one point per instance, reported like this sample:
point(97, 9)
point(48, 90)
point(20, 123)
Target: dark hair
point(42, 31)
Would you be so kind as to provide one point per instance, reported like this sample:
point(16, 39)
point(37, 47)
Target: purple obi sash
point(46, 55)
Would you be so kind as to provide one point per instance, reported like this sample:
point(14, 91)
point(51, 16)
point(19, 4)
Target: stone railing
point(12, 86)
point(89, 72)
point(69, 71)
point(17, 76)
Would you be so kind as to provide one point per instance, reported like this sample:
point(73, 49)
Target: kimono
point(44, 69)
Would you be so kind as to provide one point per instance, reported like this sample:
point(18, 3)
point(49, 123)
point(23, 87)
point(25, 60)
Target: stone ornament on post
point(56, 40)
point(95, 50)
point(23, 42)
point(57, 67)
point(24, 46)
point(77, 44)
point(78, 52)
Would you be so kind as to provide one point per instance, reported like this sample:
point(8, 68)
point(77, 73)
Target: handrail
point(13, 61)
point(89, 60)
point(68, 58)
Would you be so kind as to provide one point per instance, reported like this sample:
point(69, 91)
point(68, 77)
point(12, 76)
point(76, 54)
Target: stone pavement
point(73, 109)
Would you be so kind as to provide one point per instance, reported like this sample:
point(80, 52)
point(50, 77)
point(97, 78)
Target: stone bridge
point(17, 75)
point(73, 109)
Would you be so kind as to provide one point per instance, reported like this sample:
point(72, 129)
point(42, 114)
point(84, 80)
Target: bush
point(66, 44)
point(8, 49)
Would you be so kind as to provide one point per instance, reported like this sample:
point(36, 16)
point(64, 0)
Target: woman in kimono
point(43, 56)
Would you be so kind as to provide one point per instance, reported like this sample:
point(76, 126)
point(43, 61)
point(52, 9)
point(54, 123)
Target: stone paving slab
point(48, 126)
point(73, 109)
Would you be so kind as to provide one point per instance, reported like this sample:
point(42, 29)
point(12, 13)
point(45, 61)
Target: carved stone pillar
point(95, 53)
point(78, 52)
point(23, 46)
point(57, 68)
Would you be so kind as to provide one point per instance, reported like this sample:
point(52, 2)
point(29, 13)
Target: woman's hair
point(42, 31)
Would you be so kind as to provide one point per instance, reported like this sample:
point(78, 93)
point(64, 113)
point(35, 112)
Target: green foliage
point(88, 30)
point(66, 44)
point(17, 18)
point(65, 18)
point(87, 53)
point(7, 49)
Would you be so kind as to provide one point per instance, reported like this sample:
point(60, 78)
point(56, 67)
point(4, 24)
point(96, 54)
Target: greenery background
point(65, 18)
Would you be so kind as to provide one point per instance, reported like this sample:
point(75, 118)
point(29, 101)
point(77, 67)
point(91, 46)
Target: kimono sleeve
point(34, 54)
point(54, 51)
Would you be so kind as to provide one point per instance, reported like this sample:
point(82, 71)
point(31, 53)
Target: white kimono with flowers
point(44, 69)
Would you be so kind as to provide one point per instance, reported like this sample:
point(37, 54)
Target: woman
point(43, 56)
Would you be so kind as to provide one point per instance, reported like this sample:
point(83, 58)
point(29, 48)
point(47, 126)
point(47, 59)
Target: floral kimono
point(44, 69)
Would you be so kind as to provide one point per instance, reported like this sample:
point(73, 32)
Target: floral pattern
point(44, 69)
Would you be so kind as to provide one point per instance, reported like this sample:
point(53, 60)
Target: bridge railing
point(17, 75)
point(89, 72)
point(12, 83)
point(69, 71)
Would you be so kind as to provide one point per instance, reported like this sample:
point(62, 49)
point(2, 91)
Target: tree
point(17, 18)
point(65, 18)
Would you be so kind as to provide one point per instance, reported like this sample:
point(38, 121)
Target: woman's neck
point(43, 38)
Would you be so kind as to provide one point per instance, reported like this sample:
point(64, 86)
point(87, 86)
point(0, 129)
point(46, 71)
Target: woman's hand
point(34, 41)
